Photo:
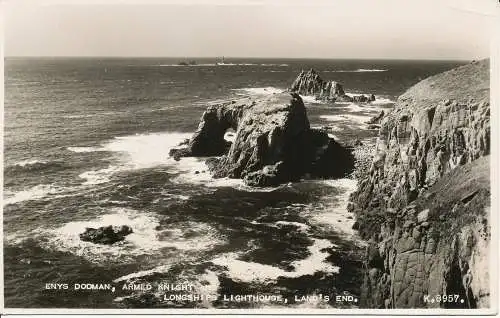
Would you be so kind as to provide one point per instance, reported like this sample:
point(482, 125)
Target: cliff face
point(273, 142)
point(423, 203)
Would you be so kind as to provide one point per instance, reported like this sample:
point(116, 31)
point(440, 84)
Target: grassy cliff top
point(461, 84)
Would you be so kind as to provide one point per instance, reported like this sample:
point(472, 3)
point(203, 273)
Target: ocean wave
point(333, 213)
point(301, 226)
point(356, 119)
point(146, 239)
point(271, 64)
point(145, 150)
point(352, 107)
point(34, 193)
point(359, 70)
point(382, 101)
point(195, 171)
point(149, 272)
point(31, 166)
point(85, 149)
point(255, 272)
point(258, 90)
point(81, 116)
point(30, 162)
point(142, 151)
point(132, 152)
point(94, 177)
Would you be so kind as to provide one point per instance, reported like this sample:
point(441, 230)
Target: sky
point(392, 29)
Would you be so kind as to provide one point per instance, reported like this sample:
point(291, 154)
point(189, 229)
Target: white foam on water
point(333, 212)
point(34, 193)
point(79, 116)
point(30, 162)
point(99, 176)
point(208, 284)
point(259, 90)
point(371, 70)
point(330, 128)
point(255, 272)
point(146, 239)
point(145, 150)
point(230, 136)
point(311, 100)
point(133, 152)
point(382, 101)
point(358, 119)
point(302, 227)
point(85, 149)
point(366, 108)
point(282, 65)
point(359, 70)
point(157, 270)
point(195, 171)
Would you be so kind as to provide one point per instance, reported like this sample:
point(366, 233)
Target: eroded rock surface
point(424, 202)
point(311, 84)
point(273, 144)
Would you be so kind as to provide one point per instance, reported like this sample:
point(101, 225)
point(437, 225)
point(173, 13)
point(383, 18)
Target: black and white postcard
point(263, 156)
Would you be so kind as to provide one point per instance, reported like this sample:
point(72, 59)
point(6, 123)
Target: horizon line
point(246, 57)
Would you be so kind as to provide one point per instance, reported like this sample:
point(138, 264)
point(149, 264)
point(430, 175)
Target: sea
point(86, 144)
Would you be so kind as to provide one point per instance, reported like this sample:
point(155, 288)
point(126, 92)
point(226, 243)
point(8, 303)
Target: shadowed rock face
point(424, 202)
point(311, 84)
point(273, 144)
point(209, 137)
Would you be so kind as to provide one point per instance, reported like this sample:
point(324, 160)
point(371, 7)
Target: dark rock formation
point(273, 144)
point(105, 234)
point(311, 84)
point(375, 120)
point(424, 203)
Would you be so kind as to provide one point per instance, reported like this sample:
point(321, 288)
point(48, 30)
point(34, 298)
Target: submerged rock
point(274, 143)
point(106, 234)
point(311, 84)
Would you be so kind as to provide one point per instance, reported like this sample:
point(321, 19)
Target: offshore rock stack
point(311, 84)
point(424, 203)
point(274, 143)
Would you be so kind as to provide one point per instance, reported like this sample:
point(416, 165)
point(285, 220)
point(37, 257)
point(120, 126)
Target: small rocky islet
point(106, 235)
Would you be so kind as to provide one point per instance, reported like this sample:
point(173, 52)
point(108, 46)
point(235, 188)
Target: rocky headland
point(311, 84)
point(273, 142)
point(423, 202)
